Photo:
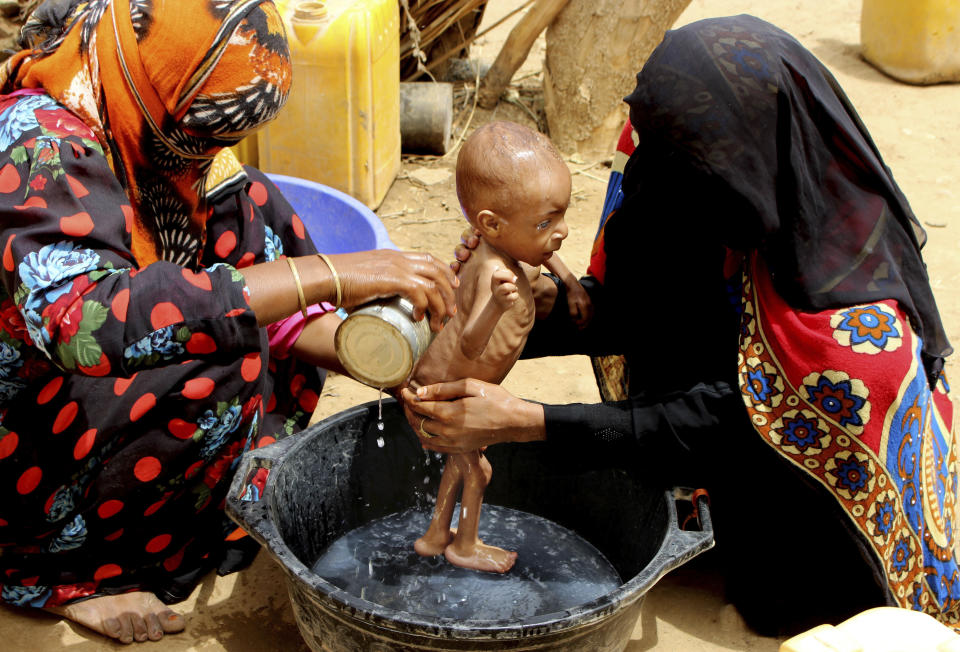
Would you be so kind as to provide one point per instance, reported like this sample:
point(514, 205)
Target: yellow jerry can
point(916, 41)
point(341, 124)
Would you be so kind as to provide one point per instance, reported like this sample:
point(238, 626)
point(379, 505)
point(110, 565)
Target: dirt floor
point(916, 129)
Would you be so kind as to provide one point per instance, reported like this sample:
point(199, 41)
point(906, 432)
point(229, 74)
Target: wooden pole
point(515, 50)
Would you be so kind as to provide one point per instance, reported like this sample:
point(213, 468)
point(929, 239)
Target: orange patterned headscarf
point(164, 84)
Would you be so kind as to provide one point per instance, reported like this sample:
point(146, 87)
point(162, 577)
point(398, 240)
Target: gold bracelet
point(296, 277)
point(336, 278)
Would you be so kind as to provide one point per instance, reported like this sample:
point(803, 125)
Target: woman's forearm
point(273, 288)
point(660, 431)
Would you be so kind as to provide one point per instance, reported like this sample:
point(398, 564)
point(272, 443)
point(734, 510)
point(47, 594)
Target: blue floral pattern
point(43, 273)
point(20, 118)
point(800, 432)
point(161, 344)
point(9, 389)
point(64, 501)
point(217, 426)
point(10, 363)
point(841, 398)
point(45, 276)
point(760, 385)
point(35, 329)
point(9, 360)
point(902, 554)
point(25, 596)
point(883, 517)
point(852, 474)
point(272, 244)
point(867, 329)
point(72, 536)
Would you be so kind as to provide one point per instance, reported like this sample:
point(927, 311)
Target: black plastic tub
point(335, 476)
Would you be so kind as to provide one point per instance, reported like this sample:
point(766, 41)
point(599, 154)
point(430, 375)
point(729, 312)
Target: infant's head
point(514, 187)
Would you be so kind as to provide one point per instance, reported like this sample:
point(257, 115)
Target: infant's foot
point(127, 617)
point(430, 544)
point(481, 557)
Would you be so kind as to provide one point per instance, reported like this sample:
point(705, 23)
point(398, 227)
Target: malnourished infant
point(514, 189)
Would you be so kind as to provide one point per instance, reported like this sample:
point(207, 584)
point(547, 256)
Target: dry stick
point(590, 176)
point(526, 76)
point(447, 18)
point(516, 48)
point(476, 94)
point(516, 102)
point(414, 36)
point(433, 221)
point(588, 167)
point(405, 211)
point(436, 61)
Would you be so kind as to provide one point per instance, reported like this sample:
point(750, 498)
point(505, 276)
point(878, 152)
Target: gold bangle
point(296, 277)
point(336, 278)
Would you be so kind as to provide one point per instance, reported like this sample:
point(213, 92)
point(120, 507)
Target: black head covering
point(745, 139)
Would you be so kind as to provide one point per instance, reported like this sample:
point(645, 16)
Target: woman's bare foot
point(127, 617)
point(480, 557)
point(431, 544)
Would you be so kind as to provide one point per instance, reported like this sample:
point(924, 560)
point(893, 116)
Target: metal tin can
point(379, 342)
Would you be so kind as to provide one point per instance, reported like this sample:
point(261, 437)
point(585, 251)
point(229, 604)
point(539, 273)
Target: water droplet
point(380, 441)
point(380, 411)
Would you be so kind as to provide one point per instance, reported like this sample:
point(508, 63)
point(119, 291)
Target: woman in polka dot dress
point(149, 330)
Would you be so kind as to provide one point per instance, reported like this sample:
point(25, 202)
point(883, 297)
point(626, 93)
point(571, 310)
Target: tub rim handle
point(252, 515)
point(679, 545)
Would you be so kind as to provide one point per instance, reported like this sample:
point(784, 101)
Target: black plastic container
point(336, 476)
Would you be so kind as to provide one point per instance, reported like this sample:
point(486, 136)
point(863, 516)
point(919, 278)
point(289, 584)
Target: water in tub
point(556, 569)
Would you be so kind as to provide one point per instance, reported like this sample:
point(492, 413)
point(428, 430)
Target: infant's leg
point(438, 535)
point(467, 550)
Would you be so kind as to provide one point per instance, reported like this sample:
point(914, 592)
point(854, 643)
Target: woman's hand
point(464, 415)
point(421, 278)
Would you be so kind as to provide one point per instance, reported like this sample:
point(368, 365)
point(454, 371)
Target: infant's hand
point(581, 308)
point(503, 285)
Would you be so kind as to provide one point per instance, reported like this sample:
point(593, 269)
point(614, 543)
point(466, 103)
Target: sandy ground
point(916, 129)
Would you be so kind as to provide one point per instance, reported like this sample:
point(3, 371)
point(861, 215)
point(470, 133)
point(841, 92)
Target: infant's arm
point(581, 308)
point(556, 265)
point(496, 291)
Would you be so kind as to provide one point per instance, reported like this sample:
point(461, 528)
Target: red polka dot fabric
point(126, 394)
